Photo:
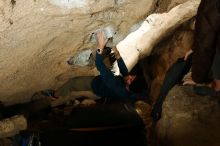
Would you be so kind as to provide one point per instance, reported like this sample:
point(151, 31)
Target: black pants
point(216, 65)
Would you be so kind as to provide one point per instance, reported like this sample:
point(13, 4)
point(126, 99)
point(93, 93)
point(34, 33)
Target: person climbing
point(106, 85)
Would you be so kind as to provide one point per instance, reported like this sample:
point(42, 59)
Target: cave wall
point(38, 37)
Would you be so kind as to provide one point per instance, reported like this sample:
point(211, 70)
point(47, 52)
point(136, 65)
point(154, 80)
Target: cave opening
point(44, 44)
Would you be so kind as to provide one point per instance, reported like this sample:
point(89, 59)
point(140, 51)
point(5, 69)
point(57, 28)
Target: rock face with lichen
point(38, 37)
point(189, 119)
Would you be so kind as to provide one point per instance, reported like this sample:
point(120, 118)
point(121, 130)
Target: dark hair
point(139, 84)
point(135, 71)
point(109, 57)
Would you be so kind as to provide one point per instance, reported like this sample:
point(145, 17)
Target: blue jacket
point(109, 86)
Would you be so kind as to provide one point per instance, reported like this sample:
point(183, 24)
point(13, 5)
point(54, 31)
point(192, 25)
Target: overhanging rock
point(69, 3)
point(140, 43)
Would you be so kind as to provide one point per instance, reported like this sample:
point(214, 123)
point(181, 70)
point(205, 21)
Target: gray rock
point(84, 58)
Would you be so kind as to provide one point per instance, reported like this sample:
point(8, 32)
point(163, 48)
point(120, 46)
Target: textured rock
point(141, 42)
point(189, 119)
point(144, 110)
point(37, 37)
point(166, 5)
point(11, 126)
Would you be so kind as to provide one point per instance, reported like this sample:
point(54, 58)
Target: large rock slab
point(12, 126)
point(189, 119)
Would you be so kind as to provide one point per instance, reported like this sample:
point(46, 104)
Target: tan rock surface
point(12, 126)
point(37, 37)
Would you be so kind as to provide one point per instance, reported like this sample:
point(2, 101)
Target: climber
point(110, 86)
point(106, 85)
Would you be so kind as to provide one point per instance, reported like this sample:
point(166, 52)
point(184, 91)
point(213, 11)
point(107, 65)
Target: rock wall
point(167, 52)
point(38, 37)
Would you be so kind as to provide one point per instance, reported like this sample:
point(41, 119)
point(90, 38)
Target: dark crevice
point(10, 21)
point(13, 3)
